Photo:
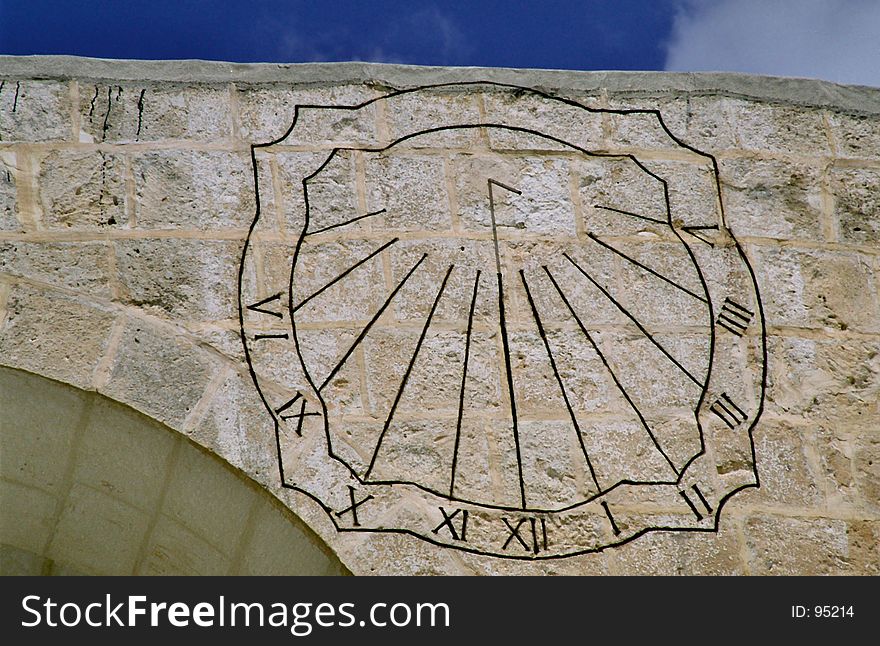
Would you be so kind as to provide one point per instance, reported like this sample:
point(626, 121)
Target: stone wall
point(131, 264)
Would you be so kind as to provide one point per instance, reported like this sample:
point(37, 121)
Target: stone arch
point(90, 486)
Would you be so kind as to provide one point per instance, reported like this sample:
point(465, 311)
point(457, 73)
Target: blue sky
point(837, 40)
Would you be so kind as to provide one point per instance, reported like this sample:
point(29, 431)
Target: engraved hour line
point(610, 371)
point(346, 273)
point(467, 351)
point(732, 418)
point(509, 375)
point(734, 317)
point(614, 526)
point(648, 269)
point(631, 214)
point(369, 325)
point(490, 183)
point(634, 320)
point(258, 307)
point(346, 223)
point(574, 422)
point(406, 375)
point(692, 229)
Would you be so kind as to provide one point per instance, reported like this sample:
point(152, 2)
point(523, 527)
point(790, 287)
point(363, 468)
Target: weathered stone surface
point(235, 426)
point(8, 203)
point(183, 279)
point(176, 370)
point(80, 266)
point(54, 335)
point(857, 204)
point(207, 191)
point(856, 135)
point(34, 111)
point(779, 128)
point(690, 554)
point(266, 111)
point(135, 113)
point(827, 378)
point(787, 477)
point(817, 289)
point(702, 122)
point(82, 190)
point(805, 546)
point(753, 189)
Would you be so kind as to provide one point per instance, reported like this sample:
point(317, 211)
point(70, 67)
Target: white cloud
point(835, 40)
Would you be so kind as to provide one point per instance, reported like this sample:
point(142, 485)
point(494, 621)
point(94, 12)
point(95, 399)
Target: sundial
point(497, 333)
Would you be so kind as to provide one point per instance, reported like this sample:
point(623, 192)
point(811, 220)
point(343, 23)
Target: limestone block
point(411, 190)
point(864, 537)
point(207, 191)
point(816, 289)
point(779, 128)
point(8, 194)
point(847, 453)
point(586, 565)
point(544, 207)
point(804, 546)
point(34, 111)
point(158, 373)
point(856, 135)
point(237, 428)
point(572, 124)
point(180, 278)
point(54, 335)
point(97, 533)
point(414, 113)
point(293, 168)
point(772, 199)
point(699, 121)
point(682, 554)
point(866, 468)
point(318, 265)
point(129, 113)
point(82, 190)
point(80, 266)
point(266, 112)
point(857, 204)
point(823, 378)
point(787, 477)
